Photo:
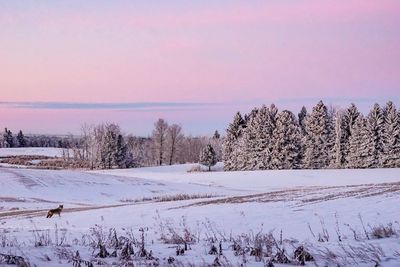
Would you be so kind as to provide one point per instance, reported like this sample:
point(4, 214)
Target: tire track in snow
point(43, 212)
point(301, 196)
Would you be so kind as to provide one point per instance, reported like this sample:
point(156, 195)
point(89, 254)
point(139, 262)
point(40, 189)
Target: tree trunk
point(172, 154)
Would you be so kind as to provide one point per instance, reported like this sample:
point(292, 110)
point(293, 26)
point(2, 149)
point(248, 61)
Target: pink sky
point(240, 53)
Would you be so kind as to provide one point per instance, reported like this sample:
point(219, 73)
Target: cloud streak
point(106, 106)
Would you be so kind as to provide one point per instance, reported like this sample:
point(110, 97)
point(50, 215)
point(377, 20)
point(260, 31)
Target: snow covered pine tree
point(233, 134)
point(319, 138)
point(391, 137)
point(208, 157)
point(361, 154)
point(286, 145)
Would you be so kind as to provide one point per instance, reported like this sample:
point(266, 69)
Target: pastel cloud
point(104, 106)
point(198, 51)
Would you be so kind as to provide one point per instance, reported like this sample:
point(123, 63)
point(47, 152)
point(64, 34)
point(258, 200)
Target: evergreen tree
point(302, 117)
point(362, 145)
point(251, 145)
point(216, 135)
point(217, 143)
point(332, 114)
point(344, 124)
point(251, 115)
point(256, 140)
point(266, 136)
point(8, 138)
point(286, 142)
point(109, 148)
point(341, 136)
point(319, 138)
point(5, 143)
point(255, 147)
point(391, 137)
point(106, 138)
point(208, 157)
point(351, 115)
point(121, 159)
point(242, 151)
point(375, 125)
point(231, 142)
point(21, 139)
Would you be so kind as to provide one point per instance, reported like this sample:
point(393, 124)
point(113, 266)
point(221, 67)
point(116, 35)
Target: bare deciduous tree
point(159, 137)
point(174, 140)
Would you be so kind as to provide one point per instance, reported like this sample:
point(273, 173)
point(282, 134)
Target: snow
point(261, 180)
point(248, 202)
point(31, 151)
point(75, 188)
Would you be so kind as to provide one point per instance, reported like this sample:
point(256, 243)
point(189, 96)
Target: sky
point(195, 63)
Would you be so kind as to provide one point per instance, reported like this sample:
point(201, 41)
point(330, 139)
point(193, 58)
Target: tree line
point(325, 138)
point(9, 140)
point(105, 146)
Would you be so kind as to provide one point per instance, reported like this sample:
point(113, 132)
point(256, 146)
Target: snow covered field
point(261, 180)
point(337, 215)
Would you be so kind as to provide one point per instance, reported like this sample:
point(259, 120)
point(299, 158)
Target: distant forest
point(8, 139)
point(324, 138)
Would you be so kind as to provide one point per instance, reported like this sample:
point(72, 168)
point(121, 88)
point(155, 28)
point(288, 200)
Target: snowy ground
point(311, 208)
point(261, 180)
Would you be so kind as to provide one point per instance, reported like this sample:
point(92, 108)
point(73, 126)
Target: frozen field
point(261, 180)
point(346, 217)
